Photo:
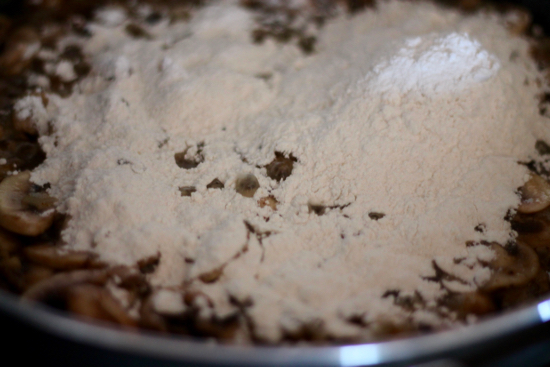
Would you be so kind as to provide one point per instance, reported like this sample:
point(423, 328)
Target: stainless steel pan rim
point(182, 349)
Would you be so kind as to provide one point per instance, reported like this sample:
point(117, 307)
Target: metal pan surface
point(49, 337)
point(523, 334)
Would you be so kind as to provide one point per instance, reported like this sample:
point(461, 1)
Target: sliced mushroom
point(22, 45)
point(212, 276)
point(39, 200)
point(36, 274)
point(318, 209)
point(311, 330)
point(534, 231)
point(149, 265)
point(9, 244)
point(465, 304)
point(376, 216)
point(247, 185)
point(150, 318)
point(307, 44)
point(268, 201)
point(59, 283)
point(132, 280)
point(510, 297)
point(542, 147)
point(224, 329)
point(281, 167)
point(17, 217)
point(153, 18)
point(97, 303)
point(193, 297)
point(72, 53)
point(515, 265)
point(49, 255)
point(136, 31)
point(388, 328)
point(11, 269)
point(187, 190)
point(535, 195)
point(27, 124)
point(185, 162)
point(215, 184)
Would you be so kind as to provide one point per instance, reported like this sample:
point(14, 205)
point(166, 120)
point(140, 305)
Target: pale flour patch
point(407, 125)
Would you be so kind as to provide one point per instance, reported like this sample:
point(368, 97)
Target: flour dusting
point(397, 138)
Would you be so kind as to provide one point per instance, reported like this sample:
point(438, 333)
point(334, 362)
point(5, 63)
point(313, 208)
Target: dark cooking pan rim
point(185, 350)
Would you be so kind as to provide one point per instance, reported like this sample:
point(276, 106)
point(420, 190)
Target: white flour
point(410, 110)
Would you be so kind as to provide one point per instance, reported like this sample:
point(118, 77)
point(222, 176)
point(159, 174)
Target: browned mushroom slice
point(50, 256)
point(187, 190)
point(150, 318)
point(187, 162)
point(221, 328)
point(534, 231)
point(318, 209)
point(535, 195)
point(96, 302)
point(510, 297)
point(224, 329)
point(515, 265)
point(17, 217)
point(376, 215)
point(39, 200)
point(137, 31)
point(307, 44)
point(468, 5)
point(59, 283)
point(281, 167)
point(212, 276)
point(388, 329)
point(11, 269)
point(164, 310)
point(247, 185)
point(268, 201)
point(9, 244)
point(311, 331)
point(192, 297)
point(132, 280)
point(36, 273)
point(215, 184)
point(22, 45)
point(27, 124)
point(465, 304)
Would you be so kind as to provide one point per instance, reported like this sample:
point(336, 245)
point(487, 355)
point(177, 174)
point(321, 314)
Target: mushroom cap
point(15, 215)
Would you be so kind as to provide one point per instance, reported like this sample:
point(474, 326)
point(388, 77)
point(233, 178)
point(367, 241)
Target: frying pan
point(50, 337)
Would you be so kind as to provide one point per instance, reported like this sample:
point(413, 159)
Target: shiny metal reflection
point(544, 310)
point(359, 355)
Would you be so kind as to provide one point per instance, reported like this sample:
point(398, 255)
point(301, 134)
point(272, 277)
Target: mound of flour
point(406, 124)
